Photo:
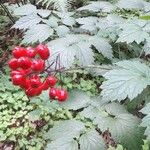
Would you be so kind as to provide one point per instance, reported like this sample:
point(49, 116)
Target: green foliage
point(127, 81)
point(104, 48)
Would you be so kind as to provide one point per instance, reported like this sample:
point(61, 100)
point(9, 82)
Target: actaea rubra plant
point(26, 67)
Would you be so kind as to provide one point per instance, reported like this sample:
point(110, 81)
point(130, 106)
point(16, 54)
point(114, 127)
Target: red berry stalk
point(26, 66)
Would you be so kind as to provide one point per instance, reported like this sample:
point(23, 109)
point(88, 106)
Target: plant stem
point(7, 12)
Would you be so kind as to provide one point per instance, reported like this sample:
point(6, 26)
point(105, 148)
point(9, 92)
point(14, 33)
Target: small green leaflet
point(35, 115)
point(37, 33)
point(91, 140)
point(127, 81)
point(98, 7)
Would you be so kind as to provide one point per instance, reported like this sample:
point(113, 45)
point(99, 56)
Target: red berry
point(51, 81)
point(62, 95)
point(45, 86)
point(39, 91)
point(43, 51)
point(31, 52)
point(24, 62)
point(19, 52)
point(30, 92)
point(18, 79)
point(13, 63)
point(35, 81)
point(17, 72)
point(38, 65)
point(52, 93)
point(25, 84)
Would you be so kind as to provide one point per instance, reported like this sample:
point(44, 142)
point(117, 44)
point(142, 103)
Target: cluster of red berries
point(26, 67)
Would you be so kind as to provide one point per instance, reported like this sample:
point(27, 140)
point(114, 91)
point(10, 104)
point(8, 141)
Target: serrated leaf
point(38, 33)
point(98, 7)
point(128, 81)
point(71, 47)
point(77, 100)
point(146, 120)
point(27, 22)
point(52, 21)
point(102, 46)
point(78, 46)
point(69, 21)
point(88, 23)
point(131, 4)
point(25, 10)
point(68, 128)
point(146, 47)
point(91, 141)
point(134, 30)
point(43, 13)
point(62, 144)
point(123, 126)
point(62, 30)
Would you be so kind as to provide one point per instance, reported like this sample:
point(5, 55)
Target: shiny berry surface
point(52, 93)
point(18, 79)
point(35, 81)
point(13, 63)
point(62, 95)
point(43, 51)
point(31, 52)
point(38, 65)
point(19, 52)
point(24, 62)
point(51, 81)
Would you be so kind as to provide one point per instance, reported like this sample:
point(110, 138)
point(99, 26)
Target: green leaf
point(146, 47)
point(78, 46)
point(69, 129)
point(127, 81)
point(131, 4)
point(34, 115)
point(77, 100)
point(102, 46)
point(145, 17)
point(98, 7)
point(25, 10)
point(123, 126)
point(62, 144)
point(43, 13)
point(38, 33)
point(91, 140)
point(72, 46)
point(134, 30)
point(146, 120)
point(88, 23)
point(62, 30)
point(27, 21)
